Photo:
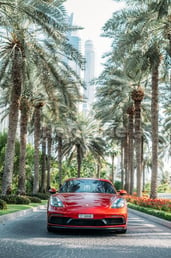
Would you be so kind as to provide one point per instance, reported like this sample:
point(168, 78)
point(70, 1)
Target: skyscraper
point(89, 73)
point(75, 41)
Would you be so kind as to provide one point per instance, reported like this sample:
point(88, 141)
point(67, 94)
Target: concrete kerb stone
point(160, 221)
point(13, 215)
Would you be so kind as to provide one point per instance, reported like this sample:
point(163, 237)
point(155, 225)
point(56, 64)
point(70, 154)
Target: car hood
point(80, 200)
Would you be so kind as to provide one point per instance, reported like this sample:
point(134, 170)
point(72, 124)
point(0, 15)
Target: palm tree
point(130, 112)
point(83, 137)
point(16, 76)
point(49, 153)
point(112, 100)
point(25, 22)
point(138, 33)
point(43, 185)
point(37, 131)
point(25, 109)
point(137, 96)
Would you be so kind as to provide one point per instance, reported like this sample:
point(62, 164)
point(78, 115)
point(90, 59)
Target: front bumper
point(114, 222)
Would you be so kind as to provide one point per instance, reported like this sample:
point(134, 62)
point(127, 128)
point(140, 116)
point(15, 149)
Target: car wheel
point(123, 231)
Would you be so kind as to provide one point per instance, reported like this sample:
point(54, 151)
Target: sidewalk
point(144, 215)
point(13, 215)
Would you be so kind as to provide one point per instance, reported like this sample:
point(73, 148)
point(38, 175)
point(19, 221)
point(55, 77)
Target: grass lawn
point(18, 207)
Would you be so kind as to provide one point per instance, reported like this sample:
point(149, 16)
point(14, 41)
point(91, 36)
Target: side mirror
point(52, 190)
point(122, 192)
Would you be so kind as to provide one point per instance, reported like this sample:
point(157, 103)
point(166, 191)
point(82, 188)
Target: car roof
point(88, 178)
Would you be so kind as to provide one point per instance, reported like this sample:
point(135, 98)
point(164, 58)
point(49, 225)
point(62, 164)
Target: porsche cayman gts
point(87, 203)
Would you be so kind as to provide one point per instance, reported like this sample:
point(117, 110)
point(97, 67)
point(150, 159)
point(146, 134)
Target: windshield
point(88, 186)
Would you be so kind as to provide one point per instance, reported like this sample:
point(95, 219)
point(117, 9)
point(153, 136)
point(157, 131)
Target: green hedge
point(42, 196)
point(15, 199)
point(25, 199)
point(158, 213)
point(34, 199)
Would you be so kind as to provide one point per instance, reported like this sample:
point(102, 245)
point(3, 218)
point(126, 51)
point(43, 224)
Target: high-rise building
point(75, 41)
point(89, 74)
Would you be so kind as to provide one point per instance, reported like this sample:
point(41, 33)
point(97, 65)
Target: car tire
point(123, 231)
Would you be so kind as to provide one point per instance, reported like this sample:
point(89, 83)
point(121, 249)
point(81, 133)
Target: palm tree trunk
point(13, 120)
point(130, 112)
point(49, 146)
point(43, 175)
point(142, 163)
point(138, 146)
point(125, 139)
point(113, 174)
point(137, 96)
point(60, 158)
point(154, 121)
point(98, 167)
point(79, 160)
point(23, 136)
point(36, 148)
point(122, 164)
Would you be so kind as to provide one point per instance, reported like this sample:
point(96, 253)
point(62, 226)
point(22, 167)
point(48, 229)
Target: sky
point(92, 15)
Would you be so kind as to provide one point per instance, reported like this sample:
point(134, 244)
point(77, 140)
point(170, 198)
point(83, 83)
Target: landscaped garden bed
point(158, 207)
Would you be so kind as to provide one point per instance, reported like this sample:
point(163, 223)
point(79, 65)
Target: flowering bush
point(145, 201)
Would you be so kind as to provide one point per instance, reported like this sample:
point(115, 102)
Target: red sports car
point(87, 203)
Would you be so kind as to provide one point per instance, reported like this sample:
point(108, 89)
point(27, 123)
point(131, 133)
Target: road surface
point(27, 237)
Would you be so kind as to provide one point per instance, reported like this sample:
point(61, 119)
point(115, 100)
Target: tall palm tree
point(25, 109)
point(130, 112)
point(83, 137)
point(144, 28)
point(112, 100)
point(22, 24)
point(49, 153)
point(43, 185)
point(37, 134)
point(137, 96)
point(16, 76)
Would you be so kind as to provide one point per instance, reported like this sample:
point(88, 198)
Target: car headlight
point(118, 203)
point(55, 201)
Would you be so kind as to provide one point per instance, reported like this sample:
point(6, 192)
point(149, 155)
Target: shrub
point(9, 199)
point(42, 196)
point(159, 204)
point(3, 205)
point(34, 199)
point(15, 199)
point(151, 211)
point(22, 200)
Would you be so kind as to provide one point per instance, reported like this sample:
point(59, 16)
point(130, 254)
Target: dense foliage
point(126, 137)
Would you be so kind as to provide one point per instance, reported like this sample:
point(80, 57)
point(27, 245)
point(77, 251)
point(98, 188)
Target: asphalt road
point(26, 237)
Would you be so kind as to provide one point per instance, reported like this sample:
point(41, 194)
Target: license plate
point(86, 216)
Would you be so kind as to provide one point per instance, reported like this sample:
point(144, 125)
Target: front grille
point(115, 221)
point(86, 222)
point(58, 220)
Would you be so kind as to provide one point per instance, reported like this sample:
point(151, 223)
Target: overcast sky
point(92, 15)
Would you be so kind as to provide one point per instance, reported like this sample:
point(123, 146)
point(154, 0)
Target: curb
point(11, 216)
point(152, 218)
